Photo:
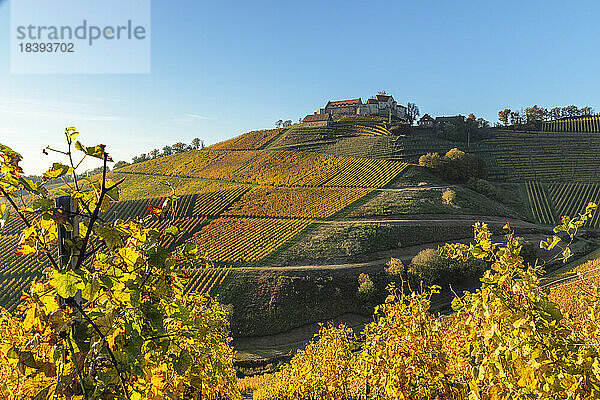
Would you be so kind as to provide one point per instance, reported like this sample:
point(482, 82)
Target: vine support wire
point(585, 278)
point(578, 275)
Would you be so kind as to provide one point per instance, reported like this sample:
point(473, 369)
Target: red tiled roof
point(426, 117)
point(372, 101)
point(316, 117)
point(343, 103)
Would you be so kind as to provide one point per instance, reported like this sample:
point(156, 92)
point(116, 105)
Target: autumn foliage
point(110, 319)
point(507, 340)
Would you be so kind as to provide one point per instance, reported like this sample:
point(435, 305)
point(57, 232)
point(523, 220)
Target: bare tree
point(154, 153)
point(287, 123)
point(278, 124)
point(516, 118)
point(555, 113)
point(412, 112)
point(482, 123)
point(535, 114)
point(503, 115)
point(196, 143)
point(178, 147)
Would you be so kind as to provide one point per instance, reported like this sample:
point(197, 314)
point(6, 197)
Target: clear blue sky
point(223, 68)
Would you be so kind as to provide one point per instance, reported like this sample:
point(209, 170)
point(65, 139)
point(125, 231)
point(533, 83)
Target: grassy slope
point(265, 299)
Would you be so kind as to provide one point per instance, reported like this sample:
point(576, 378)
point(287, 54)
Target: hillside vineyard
point(245, 206)
point(305, 224)
point(254, 200)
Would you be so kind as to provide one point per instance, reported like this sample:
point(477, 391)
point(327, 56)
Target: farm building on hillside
point(343, 107)
point(456, 120)
point(426, 121)
point(317, 120)
point(382, 105)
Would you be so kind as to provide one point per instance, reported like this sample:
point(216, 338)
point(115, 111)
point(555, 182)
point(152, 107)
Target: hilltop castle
point(381, 105)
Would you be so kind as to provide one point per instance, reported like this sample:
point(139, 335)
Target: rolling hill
point(290, 217)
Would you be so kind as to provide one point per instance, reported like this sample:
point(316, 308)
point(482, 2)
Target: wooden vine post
point(68, 233)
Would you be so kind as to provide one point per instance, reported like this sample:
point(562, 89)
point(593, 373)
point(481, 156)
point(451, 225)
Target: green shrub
point(366, 287)
point(429, 267)
point(395, 267)
point(448, 196)
point(455, 166)
point(432, 161)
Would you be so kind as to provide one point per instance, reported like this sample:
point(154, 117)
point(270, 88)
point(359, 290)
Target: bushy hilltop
point(289, 216)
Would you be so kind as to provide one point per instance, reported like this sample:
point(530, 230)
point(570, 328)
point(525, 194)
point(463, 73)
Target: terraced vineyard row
point(302, 133)
point(204, 279)
point(572, 198)
point(276, 168)
point(248, 141)
point(371, 130)
point(129, 209)
point(149, 186)
point(378, 147)
point(185, 206)
point(368, 173)
point(14, 226)
point(565, 292)
point(212, 203)
point(540, 206)
point(576, 124)
point(16, 272)
point(187, 227)
point(549, 157)
point(245, 240)
point(308, 203)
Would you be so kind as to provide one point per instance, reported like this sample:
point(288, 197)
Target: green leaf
point(184, 362)
point(12, 354)
point(91, 290)
point(172, 230)
point(28, 359)
point(32, 187)
point(71, 133)
point(110, 235)
point(190, 250)
point(56, 171)
point(66, 284)
point(113, 194)
point(566, 254)
point(42, 204)
point(555, 241)
point(94, 151)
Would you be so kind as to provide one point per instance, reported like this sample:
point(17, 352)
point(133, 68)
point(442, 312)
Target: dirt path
point(402, 253)
point(464, 220)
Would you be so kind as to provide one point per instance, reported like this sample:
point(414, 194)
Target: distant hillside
point(287, 216)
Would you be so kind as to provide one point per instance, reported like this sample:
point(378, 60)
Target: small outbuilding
point(426, 121)
point(317, 120)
